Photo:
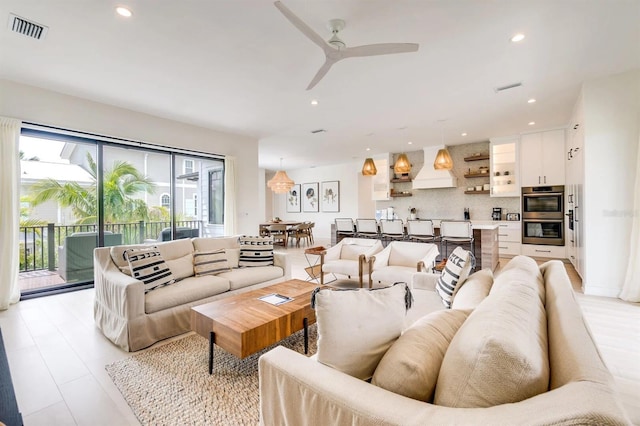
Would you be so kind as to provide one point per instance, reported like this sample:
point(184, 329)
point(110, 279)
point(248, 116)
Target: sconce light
point(369, 167)
point(402, 164)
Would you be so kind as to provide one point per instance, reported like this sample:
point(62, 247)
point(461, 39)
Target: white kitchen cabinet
point(381, 187)
point(509, 237)
point(574, 187)
point(535, 250)
point(542, 158)
point(503, 153)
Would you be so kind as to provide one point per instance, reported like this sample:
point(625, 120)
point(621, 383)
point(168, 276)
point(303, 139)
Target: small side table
point(314, 257)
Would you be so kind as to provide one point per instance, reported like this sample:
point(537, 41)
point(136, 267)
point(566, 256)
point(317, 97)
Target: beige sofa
point(134, 320)
point(549, 327)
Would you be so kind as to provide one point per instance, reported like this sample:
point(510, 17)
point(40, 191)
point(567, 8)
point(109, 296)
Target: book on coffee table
point(275, 299)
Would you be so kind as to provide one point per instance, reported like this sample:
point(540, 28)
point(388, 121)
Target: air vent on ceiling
point(28, 28)
point(508, 86)
point(318, 131)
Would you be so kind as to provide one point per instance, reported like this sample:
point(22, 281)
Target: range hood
point(430, 178)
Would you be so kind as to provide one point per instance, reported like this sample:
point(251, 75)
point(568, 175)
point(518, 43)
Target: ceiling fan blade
point(379, 49)
point(324, 69)
point(299, 24)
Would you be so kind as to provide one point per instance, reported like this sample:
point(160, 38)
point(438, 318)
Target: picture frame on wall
point(293, 199)
point(330, 193)
point(309, 196)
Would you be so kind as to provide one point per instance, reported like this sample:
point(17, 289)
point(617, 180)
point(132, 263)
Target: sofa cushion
point(233, 257)
point(147, 265)
point(181, 267)
point(410, 367)
point(455, 272)
point(208, 244)
point(499, 355)
point(523, 270)
point(393, 274)
point(210, 262)
point(256, 251)
point(175, 249)
point(188, 290)
point(473, 290)
point(243, 277)
point(356, 327)
point(352, 251)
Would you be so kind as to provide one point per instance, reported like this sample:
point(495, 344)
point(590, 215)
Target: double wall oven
point(543, 215)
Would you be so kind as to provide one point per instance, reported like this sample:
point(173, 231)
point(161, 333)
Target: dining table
point(262, 227)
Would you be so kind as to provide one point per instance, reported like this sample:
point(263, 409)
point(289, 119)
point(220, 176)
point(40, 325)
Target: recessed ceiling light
point(410, 143)
point(531, 101)
point(531, 123)
point(518, 37)
point(123, 11)
point(464, 134)
point(314, 102)
point(368, 149)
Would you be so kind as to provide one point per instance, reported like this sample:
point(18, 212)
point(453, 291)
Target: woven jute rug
point(171, 385)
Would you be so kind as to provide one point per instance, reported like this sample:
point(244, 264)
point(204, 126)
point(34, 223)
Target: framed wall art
point(293, 199)
point(309, 197)
point(330, 193)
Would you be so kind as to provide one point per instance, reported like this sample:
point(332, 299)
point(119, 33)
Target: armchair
point(400, 260)
point(349, 257)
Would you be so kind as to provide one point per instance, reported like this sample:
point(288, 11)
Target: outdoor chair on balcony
point(181, 232)
point(75, 257)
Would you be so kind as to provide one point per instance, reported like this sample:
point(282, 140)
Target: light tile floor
point(57, 356)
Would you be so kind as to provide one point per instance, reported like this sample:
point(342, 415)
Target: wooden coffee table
point(243, 324)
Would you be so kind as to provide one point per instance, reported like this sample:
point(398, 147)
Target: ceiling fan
point(335, 49)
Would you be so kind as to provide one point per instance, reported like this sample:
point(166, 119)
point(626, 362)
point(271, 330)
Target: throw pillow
point(256, 251)
point(356, 327)
point(411, 365)
point(148, 266)
point(473, 290)
point(210, 262)
point(457, 269)
point(500, 354)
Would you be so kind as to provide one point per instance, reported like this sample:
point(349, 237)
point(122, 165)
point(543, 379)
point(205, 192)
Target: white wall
point(346, 174)
point(612, 131)
point(41, 106)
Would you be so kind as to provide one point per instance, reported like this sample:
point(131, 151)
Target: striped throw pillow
point(454, 274)
point(148, 266)
point(210, 262)
point(256, 251)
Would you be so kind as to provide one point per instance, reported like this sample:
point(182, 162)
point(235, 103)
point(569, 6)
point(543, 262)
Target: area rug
point(170, 385)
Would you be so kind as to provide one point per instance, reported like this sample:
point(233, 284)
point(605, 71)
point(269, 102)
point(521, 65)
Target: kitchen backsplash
point(449, 203)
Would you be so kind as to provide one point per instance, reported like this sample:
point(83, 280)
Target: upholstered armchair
point(400, 260)
point(349, 257)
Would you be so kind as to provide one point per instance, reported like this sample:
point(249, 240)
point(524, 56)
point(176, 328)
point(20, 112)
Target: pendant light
point(402, 165)
point(280, 183)
point(369, 167)
point(443, 159)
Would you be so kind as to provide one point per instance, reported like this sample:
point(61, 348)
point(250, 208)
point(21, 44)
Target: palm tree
point(121, 184)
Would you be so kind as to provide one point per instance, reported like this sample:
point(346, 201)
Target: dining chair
point(279, 234)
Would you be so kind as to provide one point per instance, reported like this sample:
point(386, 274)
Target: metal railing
point(38, 244)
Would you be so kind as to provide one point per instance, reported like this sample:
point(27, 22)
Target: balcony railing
point(38, 243)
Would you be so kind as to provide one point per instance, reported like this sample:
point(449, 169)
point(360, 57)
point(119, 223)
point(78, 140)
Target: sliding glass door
point(81, 193)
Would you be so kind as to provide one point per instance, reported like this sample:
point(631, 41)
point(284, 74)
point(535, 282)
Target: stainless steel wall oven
point(543, 215)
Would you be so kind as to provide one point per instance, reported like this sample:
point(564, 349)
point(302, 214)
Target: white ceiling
point(240, 66)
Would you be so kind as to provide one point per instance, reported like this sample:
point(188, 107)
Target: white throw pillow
point(210, 262)
point(456, 270)
point(474, 290)
point(356, 327)
point(148, 266)
point(256, 251)
point(411, 365)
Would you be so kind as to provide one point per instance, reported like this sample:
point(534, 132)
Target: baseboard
point(601, 291)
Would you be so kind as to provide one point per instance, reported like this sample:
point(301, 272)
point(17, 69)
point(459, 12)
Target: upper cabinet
point(542, 157)
point(381, 185)
point(504, 167)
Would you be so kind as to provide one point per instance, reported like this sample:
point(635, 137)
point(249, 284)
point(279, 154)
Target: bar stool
point(392, 230)
point(367, 228)
point(458, 232)
point(345, 227)
point(421, 231)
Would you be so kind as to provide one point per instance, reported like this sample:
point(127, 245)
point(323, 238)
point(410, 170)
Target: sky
point(44, 149)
